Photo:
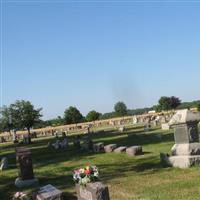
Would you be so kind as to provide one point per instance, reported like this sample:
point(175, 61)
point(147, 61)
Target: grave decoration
point(88, 186)
point(86, 175)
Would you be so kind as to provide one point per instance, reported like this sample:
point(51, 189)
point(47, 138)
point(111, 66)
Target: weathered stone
point(134, 150)
point(24, 160)
point(49, 192)
point(120, 149)
point(23, 156)
point(26, 183)
point(92, 191)
point(98, 147)
point(4, 163)
point(110, 147)
point(186, 151)
point(184, 161)
point(165, 126)
point(121, 129)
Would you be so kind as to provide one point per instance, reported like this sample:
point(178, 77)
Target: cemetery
point(139, 161)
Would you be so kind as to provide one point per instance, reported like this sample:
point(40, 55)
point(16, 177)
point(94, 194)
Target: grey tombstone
point(120, 149)
point(98, 147)
point(49, 192)
point(186, 151)
point(92, 191)
point(110, 147)
point(134, 150)
point(4, 163)
point(24, 161)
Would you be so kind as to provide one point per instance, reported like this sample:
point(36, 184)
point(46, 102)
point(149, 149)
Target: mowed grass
point(129, 178)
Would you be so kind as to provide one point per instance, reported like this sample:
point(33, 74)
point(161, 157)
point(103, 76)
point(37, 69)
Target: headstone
point(186, 151)
point(134, 150)
point(120, 149)
point(77, 144)
point(147, 126)
point(4, 163)
point(165, 126)
point(24, 160)
point(98, 147)
point(88, 144)
point(92, 191)
point(110, 147)
point(121, 129)
point(49, 192)
point(26, 139)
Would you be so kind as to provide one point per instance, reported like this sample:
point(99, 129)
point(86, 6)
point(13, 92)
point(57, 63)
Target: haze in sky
point(91, 54)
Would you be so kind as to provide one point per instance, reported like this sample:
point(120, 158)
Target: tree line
point(23, 115)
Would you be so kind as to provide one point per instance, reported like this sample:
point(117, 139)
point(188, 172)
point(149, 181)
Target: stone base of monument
point(186, 149)
point(26, 183)
point(92, 191)
point(184, 161)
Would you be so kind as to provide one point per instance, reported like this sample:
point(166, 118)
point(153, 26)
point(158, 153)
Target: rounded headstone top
point(184, 116)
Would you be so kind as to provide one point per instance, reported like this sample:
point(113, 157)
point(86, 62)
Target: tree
point(164, 103)
point(72, 115)
point(6, 122)
point(174, 102)
point(25, 115)
point(198, 107)
point(120, 109)
point(92, 116)
point(167, 103)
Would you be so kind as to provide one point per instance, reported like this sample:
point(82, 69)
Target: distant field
point(128, 178)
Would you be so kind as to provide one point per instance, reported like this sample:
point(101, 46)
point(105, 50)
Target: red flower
point(87, 172)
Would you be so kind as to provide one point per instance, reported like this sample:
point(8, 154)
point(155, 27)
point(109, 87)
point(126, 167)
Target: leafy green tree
point(167, 103)
point(92, 116)
point(24, 115)
point(174, 102)
point(6, 122)
point(164, 103)
point(198, 107)
point(120, 109)
point(72, 115)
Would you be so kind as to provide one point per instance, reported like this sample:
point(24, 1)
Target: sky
point(92, 54)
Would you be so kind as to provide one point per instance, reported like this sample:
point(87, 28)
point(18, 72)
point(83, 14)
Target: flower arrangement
point(86, 175)
point(20, 196)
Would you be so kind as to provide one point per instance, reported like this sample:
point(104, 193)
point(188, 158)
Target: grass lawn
point(128, 178)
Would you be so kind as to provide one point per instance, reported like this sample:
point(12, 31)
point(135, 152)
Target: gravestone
point(120, 149)
point(4, 163)
point(165, 126)
point(98, 147)
point(24, 161)
point(92, 191)
point(134, 150)
point(49, 192)
point(109, 148)
point(186, 151)
point(88, 143)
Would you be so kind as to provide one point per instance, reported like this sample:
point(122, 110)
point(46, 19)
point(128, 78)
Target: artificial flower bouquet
point(86, 175)
point(20, 196)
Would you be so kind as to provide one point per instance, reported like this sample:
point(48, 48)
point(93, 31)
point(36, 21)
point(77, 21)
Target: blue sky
point(92, 54)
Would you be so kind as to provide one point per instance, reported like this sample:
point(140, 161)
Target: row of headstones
point(132, 151)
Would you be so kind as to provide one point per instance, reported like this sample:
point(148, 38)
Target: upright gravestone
point(92, 191)
point(186, 151)
point(24, 161)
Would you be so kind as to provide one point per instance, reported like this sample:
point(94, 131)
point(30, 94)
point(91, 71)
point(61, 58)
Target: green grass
point(128, 178)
